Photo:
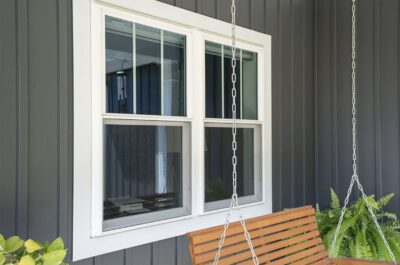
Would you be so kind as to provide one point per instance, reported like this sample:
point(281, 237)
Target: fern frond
point(385, 200)
point(358, 236)
point(335, 202)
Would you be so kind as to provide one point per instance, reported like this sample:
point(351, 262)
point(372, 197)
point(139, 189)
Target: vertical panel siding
point(43, 119)
point(378, 97)
point(36, 143)
point(8, 118)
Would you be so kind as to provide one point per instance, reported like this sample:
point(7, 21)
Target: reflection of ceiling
point(117, 60)
point(215, 49)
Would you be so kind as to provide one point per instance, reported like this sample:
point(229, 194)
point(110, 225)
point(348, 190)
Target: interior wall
point(36, 103)
point(378, 97)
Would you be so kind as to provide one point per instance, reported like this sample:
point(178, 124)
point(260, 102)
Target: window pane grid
point(218, 82)
point(145, 69)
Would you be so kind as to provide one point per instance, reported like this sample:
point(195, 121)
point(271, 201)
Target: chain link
point(234, 200)
point(354, 177)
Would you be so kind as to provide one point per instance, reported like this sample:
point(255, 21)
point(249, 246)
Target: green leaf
point(335, 204)
point(26, 260)
point(32, 246)
point(13, 244)
point(57, 244)
point(54, 257)
point(385, 200)
point(2, 243)
point(2, 259)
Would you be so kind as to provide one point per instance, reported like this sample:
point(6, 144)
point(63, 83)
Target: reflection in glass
point(148, 70)
point(174, 74)
point(213, 80)
point(218, 83)
point(145, 69)
point(218, 163)
point(143, 169)
point(249, 85)
point(119, 74)
point(228, 83)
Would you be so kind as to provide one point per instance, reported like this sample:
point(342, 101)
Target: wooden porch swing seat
point(286, 237)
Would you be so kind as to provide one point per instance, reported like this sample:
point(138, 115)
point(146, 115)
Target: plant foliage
point(358, 236)
point(15, 251)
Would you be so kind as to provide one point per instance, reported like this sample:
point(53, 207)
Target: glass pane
point(174, 74)
point(213, 80)
point(219, 89)
point(249, 85)
point(119, 74)
point(228, 82)
point(148, 70)
point(218, 163)
point(145, 69)
point(143, 169)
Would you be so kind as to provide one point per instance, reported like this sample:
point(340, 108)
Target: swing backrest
point(289, 236)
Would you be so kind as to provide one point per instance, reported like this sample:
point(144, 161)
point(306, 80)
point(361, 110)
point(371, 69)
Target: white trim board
point(87, 240)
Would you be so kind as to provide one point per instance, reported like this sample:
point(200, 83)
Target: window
point(152, 123)
point(144, 178)
point(218, 134)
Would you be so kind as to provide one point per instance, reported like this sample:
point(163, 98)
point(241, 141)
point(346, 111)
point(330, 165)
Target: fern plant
point(358, 236)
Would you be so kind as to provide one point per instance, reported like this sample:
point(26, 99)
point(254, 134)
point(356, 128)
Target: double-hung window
point(145, 137)
point(152, 123)
point(218, 123)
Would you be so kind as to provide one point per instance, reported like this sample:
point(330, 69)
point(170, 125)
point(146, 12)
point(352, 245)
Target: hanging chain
point(234, 200)
point(354, 177)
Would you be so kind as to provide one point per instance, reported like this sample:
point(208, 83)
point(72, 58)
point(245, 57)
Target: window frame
point(89, 238)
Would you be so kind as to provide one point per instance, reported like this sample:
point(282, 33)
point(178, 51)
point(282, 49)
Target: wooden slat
point(325, 261)
point(299, 255)
point(312, 259)
point(263, 254)
point(305, 225)
point(299, 209)
point(210, 234)
point(294, 249)
point(291, 258)
point(256, 243)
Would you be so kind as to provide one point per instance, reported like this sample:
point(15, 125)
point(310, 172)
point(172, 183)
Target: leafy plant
point(16, 251)
point(358, 236)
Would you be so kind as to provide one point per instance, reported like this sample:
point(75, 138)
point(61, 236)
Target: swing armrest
point(348, 261)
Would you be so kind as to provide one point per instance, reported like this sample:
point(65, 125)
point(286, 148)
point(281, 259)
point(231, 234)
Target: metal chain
point(355, 177)
point(234, 200)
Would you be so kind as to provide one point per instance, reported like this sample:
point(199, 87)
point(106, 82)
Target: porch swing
point(285, 237)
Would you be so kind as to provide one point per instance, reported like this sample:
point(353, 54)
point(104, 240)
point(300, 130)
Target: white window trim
point(88, 239)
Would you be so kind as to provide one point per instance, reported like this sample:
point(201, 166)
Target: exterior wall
point(36, 123)
point(378, 97)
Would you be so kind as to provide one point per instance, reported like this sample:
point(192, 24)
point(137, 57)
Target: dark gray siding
point(36, 115)
point(378, 97)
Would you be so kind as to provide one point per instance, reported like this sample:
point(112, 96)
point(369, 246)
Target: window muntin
point(218, 82)
point(156, 85)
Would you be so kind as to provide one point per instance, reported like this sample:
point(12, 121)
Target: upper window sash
point(143, 25)
point(244, 46)
point(145, 69)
